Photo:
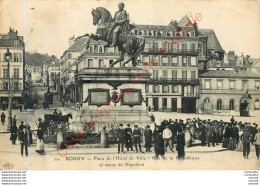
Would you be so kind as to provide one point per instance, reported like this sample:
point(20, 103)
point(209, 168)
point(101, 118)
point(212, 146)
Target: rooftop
point(213, 42)
point(229, 74)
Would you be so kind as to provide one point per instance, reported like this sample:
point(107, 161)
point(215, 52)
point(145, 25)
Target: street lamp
point(8, 57)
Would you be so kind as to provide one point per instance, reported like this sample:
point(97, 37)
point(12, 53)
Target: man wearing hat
point(128, 137)
point(148, 138)
point(121, 138)
point(167, 135)
point(246, 139)
point(257, 143)
point(203, 133)
point(210, 134)
point(3, 118)
point(21, 127)
point(254, 130)
point(137, 138)
point(174, 128)
point(14, 120)
point(23, 136)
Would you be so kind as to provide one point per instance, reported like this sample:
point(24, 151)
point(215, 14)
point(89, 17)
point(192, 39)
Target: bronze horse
point(127, 43)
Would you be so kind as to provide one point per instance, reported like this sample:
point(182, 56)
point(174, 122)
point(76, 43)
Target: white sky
point(47, 24)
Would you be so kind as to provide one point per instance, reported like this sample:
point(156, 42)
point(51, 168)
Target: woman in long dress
point(227, 134)
point(40, 143)
point(188, 139)
point(232, 140)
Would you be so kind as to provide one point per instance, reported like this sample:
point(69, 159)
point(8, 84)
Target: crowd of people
point(23, 133)
point(170, 134)
point(232, 135)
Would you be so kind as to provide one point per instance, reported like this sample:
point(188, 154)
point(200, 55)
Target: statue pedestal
point(114, 95)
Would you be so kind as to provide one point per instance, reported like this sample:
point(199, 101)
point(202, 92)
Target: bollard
point(104, 139)
point(59, 137)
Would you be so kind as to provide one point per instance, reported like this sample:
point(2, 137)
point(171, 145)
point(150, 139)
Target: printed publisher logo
point(8, 166)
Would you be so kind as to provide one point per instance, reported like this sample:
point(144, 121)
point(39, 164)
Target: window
point(174, 75)
point(136, 32)
point(16, 85)
point(184, 47)
point(185, 91)
point(184, 61)
point(155, 46)
point(192, 90)
point(232, 84)
point(16, 43)
point(165, 74)
point(220, 84)
point(91, 49)
point(5, 86)
point(231, 105)
point(184, 75)
point(69, 56)
point(16, 57)
point(156, 89)
point(207, 84)
point(165, 89)
point(164, 102)
point(164, 60)
point(147, 88)
point(100, 63)
point(193, 75)
point(174, 61)
point(244, 84)
point(90, 63)
point(257, 85)
point(189, 61)
point(100, 50)
point(110, 62)
point(145, 32)
point(164, 33)
point(5, 72)
point(192, 34)
point(155, 74)
point(257, 104)
point(219, 104)
point(174, 89)
point(193, 61)
point(16, 72)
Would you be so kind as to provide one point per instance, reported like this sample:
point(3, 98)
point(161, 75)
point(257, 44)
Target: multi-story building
point(174, 82)
point(230, 92)
point(15, 44)
point(54, 74)
point(78, 57)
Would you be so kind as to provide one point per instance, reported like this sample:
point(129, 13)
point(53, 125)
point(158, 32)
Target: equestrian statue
point(116, 32)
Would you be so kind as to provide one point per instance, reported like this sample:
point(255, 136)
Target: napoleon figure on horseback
point(120, 28)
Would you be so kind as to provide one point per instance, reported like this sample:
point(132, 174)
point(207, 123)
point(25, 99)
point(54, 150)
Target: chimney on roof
point(225, 58)
point(71, 40)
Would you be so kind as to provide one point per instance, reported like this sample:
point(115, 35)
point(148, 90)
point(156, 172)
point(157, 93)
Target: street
point(197, 157)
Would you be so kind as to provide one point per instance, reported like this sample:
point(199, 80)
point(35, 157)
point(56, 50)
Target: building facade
point(15, 44)
point(230, 92)
point(174, 84)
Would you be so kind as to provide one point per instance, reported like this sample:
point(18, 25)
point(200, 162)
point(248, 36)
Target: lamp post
point(8, 57)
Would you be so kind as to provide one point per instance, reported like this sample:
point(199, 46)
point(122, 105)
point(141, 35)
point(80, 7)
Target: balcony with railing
point(166, 51)
point(191, 81)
